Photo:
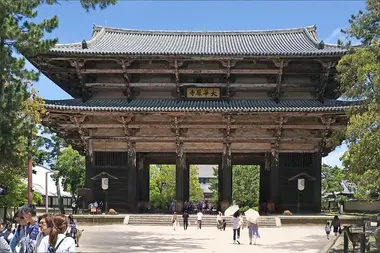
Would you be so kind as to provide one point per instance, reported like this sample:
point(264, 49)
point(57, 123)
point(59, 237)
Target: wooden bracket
point(277, 92)
point(327, 122)
point(127, 89)
point(78, 121)
point(227, 131)
point(84, 91)
point(128, 132)
point(176, 126)
point(324, 78)
point(275, 146)
point(177, 64)
point(228, 65)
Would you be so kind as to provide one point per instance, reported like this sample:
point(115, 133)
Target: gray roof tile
point(285, 42)
point(122, 105)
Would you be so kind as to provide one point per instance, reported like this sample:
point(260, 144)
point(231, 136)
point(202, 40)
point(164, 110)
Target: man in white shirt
point(199, 219)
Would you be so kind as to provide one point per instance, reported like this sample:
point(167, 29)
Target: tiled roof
point(285, 42)
point(122, 105)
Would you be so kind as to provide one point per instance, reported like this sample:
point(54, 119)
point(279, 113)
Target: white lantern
point(104, 183)
point(301, 184)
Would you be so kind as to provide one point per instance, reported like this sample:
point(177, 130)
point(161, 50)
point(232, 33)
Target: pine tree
point(20, 107)
point(360, 80)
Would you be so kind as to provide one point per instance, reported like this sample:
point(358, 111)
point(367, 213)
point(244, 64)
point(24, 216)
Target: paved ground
point(124, 238)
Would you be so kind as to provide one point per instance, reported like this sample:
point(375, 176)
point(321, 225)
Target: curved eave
point(193, 109)
point(267, 55)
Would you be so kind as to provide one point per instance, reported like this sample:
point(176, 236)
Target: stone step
point(208, 220)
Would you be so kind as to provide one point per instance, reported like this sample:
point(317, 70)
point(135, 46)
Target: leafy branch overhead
point(359, 73)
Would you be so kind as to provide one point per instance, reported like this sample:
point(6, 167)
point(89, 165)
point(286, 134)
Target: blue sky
point(75, 24)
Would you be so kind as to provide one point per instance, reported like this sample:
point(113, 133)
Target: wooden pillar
point(316, 168)
point(132, 178)
point(220, 187)
point(274, 181)
point(142, 183)
point(182, 182)
point(226, 190)
point(89, 183)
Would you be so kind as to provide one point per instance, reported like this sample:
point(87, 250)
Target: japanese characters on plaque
point(203, 92)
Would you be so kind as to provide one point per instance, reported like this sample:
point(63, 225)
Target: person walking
point(336, 225)
point(328, 230)
point(378, 219)
point(174, 220)
point(199, 219)
point(236, 227)
point(253, 231)
point(185, 217)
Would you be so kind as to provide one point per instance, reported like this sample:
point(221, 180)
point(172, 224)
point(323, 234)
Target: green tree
point(359, 73)
point(332, 180)
point(245, 185)
point(71, 167)
point(196, 192)
point(162, 185)
point(20, 107)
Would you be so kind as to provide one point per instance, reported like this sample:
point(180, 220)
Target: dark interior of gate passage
point(131, 189)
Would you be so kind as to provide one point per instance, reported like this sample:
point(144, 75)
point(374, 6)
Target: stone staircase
point(207, 221)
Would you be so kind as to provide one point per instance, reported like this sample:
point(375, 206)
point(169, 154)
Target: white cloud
point(334, 36)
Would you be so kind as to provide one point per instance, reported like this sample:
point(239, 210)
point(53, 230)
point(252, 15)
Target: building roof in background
point(206, 171)
point(283, 42)
point(39, 182)
point(206, 188)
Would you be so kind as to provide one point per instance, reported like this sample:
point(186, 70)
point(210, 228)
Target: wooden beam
point(254, 139)
point(200, 85)
point(246, 125)
point(182, 71)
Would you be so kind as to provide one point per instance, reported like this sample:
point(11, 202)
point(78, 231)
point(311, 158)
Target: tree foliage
point(245, 185)
point(71, 167)
point(359, 73)
point(163, 184)
point(20, 107)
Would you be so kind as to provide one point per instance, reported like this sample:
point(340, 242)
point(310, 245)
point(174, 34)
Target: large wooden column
point(142, 183)
point(182, 179)
point(132, 178)
point(89, 183)
point(226, 181)
point(316, 173)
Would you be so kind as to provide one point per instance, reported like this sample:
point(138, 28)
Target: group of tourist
point(237, 224)
point(44, 234)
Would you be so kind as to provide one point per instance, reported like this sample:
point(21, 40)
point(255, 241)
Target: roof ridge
point(188, 32)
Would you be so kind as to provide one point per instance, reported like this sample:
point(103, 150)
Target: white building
point(39, 185)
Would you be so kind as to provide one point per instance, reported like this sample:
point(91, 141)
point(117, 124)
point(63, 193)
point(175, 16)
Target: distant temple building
point(140, 97)
point(206, 173)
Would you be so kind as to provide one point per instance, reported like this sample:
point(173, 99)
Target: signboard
point(203, 92)
point(104, 183)
point(301, 184)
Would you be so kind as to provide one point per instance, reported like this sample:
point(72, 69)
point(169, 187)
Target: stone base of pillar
point(224, 204)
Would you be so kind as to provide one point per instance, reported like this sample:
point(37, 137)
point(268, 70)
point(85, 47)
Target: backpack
point(53, 249)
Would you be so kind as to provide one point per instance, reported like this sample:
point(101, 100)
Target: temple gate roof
point(283, 42)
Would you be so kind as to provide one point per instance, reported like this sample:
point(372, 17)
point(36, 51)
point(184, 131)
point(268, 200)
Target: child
point(328, 229)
